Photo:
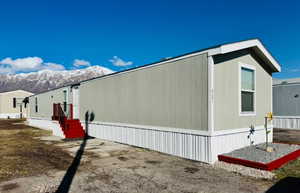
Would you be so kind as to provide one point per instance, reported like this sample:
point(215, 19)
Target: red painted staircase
point(71, 128)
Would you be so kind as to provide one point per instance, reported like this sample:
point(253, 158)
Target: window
point(65, 100)
point(14, 102)
point(36, 105)
point(247, 92)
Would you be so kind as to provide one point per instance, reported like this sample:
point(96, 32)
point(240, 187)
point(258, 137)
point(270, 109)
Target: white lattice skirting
point(286, 122)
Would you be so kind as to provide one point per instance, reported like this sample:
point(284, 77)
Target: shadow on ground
point(288, 185)
point(66, 182)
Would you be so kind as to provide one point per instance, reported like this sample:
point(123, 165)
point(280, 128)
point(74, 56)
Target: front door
point(75, 92)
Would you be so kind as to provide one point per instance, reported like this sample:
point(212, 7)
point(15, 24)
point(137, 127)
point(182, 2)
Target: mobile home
point(195, 106)
point(286, 103)
point(12, 105)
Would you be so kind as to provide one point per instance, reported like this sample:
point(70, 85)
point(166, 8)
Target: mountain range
point(44, 80)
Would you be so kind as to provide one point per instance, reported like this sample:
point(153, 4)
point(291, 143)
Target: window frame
point(253, 68)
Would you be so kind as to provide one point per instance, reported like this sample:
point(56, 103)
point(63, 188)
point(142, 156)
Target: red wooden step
point(72, 128)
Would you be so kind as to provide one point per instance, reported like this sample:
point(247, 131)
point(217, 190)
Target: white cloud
point(53, 66)
point(28, 64)
point(116, 61)
point(79, 63)
point(23, 63)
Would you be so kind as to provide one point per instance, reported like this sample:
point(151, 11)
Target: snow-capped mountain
point(43, 80)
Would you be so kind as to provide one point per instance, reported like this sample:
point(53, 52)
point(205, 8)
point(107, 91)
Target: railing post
point(71, 111)
point(53, 111)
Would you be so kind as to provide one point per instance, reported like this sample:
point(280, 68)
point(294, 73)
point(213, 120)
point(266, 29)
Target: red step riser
point(74, 135)
point(72, 129)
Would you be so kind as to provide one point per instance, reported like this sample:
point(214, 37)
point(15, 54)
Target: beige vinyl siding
point(45, 102)
point(226, 92)
point(173, 95)
point(6, 101)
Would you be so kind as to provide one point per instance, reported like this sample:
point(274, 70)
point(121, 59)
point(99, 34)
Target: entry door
point(75, 102)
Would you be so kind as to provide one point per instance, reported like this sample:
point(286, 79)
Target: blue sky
point(132, 33)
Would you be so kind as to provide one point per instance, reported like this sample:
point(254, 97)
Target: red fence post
point(71, 111)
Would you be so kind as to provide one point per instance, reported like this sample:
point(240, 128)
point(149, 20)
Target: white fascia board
point(15, 91)
point(226, 48)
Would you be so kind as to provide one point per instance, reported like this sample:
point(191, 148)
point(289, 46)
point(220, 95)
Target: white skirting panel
point(48, 125)
point(286, 122)
point(190, 146)
point(224, 143)
point(10, 115)
point(204, 148)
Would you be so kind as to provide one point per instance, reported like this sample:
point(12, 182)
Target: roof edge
point(16, 91)
point(231, 47)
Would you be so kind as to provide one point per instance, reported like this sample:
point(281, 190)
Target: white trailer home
point(286, 103)
point(196, 105)
point(12, 105)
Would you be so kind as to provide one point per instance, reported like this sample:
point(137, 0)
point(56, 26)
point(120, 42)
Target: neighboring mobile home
point(286, 103)
point(195, 106)
point(12, 105)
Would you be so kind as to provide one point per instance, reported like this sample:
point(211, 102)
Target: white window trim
point(251, 67)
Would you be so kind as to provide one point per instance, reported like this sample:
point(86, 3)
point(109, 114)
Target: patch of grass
point(291, 169)
point(24, 155)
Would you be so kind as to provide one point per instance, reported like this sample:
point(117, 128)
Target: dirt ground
point(286, 136)
point(23, 155)
point(49, 163)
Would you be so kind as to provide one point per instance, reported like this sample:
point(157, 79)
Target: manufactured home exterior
point(195, 106)
point(286, 103)
point(39, 104)
point(12, 105)
point(41, 108)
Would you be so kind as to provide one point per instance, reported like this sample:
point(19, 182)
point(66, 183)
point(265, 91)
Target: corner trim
point(210, 92)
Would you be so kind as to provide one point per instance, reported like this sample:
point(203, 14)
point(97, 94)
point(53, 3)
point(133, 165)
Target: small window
point(36, 105)
point(65, 95)
point(247, 90)
point(65, 100)
point(14, 102)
